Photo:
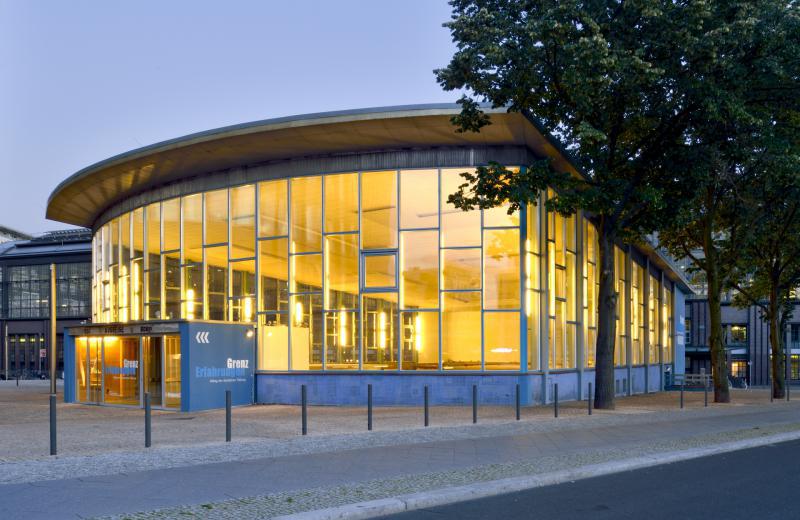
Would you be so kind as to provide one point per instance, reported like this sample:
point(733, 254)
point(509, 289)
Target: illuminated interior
point(375, 270)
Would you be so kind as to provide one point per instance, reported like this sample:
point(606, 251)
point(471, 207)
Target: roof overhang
point(83, 197)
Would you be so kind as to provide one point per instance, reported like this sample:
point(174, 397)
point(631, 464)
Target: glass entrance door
point(95, 370)
point(152, 353)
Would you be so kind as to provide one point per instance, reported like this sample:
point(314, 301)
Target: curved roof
point(82, 197)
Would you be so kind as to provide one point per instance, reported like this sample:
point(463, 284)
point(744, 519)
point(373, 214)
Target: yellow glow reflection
point(298, 313)
point(418, 333)
point(190, 304)
point(342, 329)
point(382, 329)
point(248, 309)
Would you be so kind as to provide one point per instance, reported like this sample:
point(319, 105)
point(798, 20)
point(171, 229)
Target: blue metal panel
point(216, 357)
point(69, 368)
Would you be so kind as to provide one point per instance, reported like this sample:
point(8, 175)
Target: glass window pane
point(137, 281)
point(534, 326)
point(307, 332)
point(216, 206)
point(341, 277)
point(380, 271)
point(125, 238)
point(273, 342)
point(121, 370)
point(137, 222)
point(243, 222)
point(272, 208)
point(154, 293)
point(461, 331)
point(499, 217)
point(419, 269)
point(501, 269)
point(274, 266)
point(461, 269)
point(172, 286)
point(172, 372)
point(217, 282)
point(193, 228)
point(341, 340)
point(171, 223)
point(306, 214)
point(379, 210)
point(193, 299)
point(420, 340)
point(501, 334)
point(379, 315)
point(459, 228)
point(243, 290)
point(306, 273)
point(153, 236)
point(341, 202)
point(419, 199)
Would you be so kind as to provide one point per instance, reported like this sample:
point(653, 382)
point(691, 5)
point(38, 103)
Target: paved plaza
point(269, 469)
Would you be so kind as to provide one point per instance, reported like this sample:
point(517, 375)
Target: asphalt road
point(755, 484)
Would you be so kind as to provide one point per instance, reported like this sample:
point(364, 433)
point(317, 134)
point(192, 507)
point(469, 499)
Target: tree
point(769, 262)
point(619, 83)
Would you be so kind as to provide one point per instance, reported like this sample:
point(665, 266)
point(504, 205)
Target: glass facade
point(374, 270)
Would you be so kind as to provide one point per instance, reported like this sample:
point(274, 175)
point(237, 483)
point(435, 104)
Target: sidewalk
point(270, 477)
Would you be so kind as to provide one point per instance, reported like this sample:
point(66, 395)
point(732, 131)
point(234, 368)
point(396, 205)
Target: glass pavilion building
point(329, 240)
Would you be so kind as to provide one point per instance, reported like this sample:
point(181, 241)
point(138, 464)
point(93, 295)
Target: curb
point(451, 495)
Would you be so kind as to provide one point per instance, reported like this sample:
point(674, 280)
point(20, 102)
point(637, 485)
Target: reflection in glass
point(172, 372)
point(216, 216)
point(461, 269)
point(306, 273)
point(274, 276)
point(273, 208)
point(380, 271)
point(171, 224)
point(307, 331)
point(243, 222)
point(341, 277)
point(419, 199)
point(379, 210)
point(341, 202)
point(501, 336)
point(243, 290)
point(501, 269)
point(461, 330)
point(341, 335)
point(378, 319)
point(193, 228)
point(172, 286)
point(121, 370)
point(420, 334)
point(217, 282)
point(306, 211)
point(459, 228)
point(419, 269)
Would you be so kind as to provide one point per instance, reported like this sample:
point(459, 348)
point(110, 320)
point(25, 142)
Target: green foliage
point(621, 84)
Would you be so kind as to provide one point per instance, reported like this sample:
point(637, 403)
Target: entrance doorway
point(120, 369)
point(152, 352)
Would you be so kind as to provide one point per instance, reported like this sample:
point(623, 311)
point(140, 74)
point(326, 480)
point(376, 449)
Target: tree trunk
point(775, 343)
point(719, 362)
point(606, 323)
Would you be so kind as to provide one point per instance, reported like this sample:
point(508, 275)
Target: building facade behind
point(25, 298)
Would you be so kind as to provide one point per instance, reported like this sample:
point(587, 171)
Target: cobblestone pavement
point(267, 506)
point(258, 477)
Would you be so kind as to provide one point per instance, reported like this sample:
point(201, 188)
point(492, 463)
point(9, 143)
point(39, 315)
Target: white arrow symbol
point(202, 337)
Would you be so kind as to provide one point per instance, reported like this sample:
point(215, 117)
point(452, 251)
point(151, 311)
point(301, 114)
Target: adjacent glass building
point(332, 235)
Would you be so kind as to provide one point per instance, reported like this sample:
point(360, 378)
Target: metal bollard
point(555, 399)
point(17, 378)
point(147, 421)
point(517, 401)
point(771, 392)
point(369, 407)
point(426, 405)
point(474, 404)
point(589, 399)
point(228, 416)
point(53, 438)
point(304, 405)
point(682, 385)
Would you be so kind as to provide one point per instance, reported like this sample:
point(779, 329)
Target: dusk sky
point(86, 80)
